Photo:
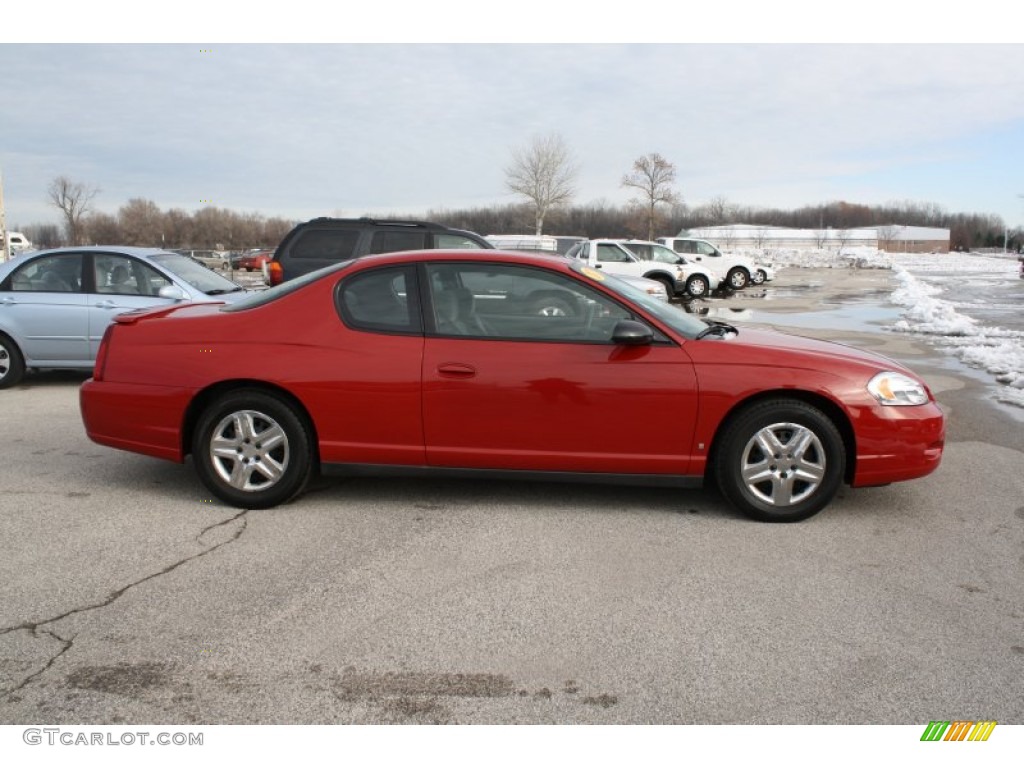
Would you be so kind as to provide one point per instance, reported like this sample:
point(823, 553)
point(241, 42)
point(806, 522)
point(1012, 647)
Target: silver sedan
point(56, 304)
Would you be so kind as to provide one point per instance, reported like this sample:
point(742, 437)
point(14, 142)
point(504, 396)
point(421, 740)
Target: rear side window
point(381, 300)
point(61, 273)
point(456, 242)
point(325, 245)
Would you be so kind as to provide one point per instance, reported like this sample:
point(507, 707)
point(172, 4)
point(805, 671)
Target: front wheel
point(12, 364)
point(780, 461)
point(738, 278)
point(758, 277)
point(253, 449)
point(697, 287)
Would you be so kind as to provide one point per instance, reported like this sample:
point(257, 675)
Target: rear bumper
point(898, 443)
point(135, 417)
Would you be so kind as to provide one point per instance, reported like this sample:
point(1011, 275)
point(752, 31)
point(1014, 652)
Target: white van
point(531, 243)
point(18, 242)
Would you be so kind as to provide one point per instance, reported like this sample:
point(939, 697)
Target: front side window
point(381, 300)
point(61, 273)
point(516, 303)
point(389, 242)
point(126, 276)
point(706, 249)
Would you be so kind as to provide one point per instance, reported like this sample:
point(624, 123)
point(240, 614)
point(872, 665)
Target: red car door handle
point(456, 370)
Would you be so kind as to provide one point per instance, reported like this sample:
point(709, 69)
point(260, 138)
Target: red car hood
point(774, 349)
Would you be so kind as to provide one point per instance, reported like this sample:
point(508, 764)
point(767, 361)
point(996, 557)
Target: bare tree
point(544, 173)
point(141, 222)
point(887, 237)
point(653, 176)
point(73, 198)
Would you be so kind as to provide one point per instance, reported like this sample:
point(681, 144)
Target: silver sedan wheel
point(783, 464)
point(249, 450)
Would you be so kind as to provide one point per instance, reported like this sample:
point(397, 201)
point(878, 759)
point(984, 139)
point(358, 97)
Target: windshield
point(196, 275)
point(665, 255)
point(670, 314)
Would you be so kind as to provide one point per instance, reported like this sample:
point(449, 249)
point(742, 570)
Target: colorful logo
point(958, 730)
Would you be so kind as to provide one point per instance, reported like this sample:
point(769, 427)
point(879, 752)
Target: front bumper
point(897, 443)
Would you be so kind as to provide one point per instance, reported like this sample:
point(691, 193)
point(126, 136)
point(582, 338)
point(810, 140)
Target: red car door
point(536, 384)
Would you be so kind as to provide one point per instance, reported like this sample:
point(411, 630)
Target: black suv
point(321, 242)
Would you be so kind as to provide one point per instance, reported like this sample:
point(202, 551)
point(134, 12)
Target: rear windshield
point(259, 298)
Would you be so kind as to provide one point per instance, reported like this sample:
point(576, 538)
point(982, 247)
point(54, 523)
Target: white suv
point(738, 271)
point(616, 258)
point(699, 279)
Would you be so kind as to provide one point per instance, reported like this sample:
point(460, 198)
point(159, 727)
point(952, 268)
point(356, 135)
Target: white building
point(892, 238)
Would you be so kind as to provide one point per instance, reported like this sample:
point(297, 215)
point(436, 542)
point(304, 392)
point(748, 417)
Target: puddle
point(847, 318)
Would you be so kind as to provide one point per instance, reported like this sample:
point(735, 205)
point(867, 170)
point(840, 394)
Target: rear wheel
point(780, 461)
point(12, 364)
point(697, 286)
point(758, 277)
point(253, 449)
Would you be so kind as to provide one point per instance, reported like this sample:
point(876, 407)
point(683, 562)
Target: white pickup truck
point(675, 273)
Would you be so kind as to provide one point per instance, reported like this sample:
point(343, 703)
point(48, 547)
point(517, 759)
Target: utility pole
point(5, 254)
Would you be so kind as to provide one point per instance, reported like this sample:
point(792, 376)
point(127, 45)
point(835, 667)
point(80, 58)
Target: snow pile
point(999, 351)
point(927, 314)
point(860, 257)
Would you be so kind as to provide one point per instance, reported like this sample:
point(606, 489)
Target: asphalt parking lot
point(129, 596)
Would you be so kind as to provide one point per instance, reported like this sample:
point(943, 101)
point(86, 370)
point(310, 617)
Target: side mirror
point(172, 292)
point(630, 333)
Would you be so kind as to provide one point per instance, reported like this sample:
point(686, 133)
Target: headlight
point(890, 388)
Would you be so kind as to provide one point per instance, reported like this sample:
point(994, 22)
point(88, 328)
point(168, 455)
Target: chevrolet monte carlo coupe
point(446, 363)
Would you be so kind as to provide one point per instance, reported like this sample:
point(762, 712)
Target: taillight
point(101, 354)
point(275, 275)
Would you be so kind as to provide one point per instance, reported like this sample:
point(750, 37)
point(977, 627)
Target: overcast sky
point(305, 130)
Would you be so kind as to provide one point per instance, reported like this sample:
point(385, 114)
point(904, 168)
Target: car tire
point(738, 278)
point(233, 459)
point(698, 287)
point(553, 306)
point(669, 283)
point(780, 461)
point(12, 364)
point(758, 277)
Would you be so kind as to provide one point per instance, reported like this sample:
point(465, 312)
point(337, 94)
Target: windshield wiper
point(219, 291)
point(717, 328)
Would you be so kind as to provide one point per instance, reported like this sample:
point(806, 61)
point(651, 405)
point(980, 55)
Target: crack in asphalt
point(38, 627)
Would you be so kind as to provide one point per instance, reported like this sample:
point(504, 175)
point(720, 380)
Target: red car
point(454, 363)
point(253, 262)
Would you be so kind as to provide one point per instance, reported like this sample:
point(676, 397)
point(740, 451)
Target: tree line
point(542, 174)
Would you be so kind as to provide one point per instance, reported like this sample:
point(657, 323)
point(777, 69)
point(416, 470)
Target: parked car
point(254, 261)
point(322, 242)
point(438, 363)
point(738, 270)
point(212, 259)
point(699, 280)
point(614, 257)
point(55, 304)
